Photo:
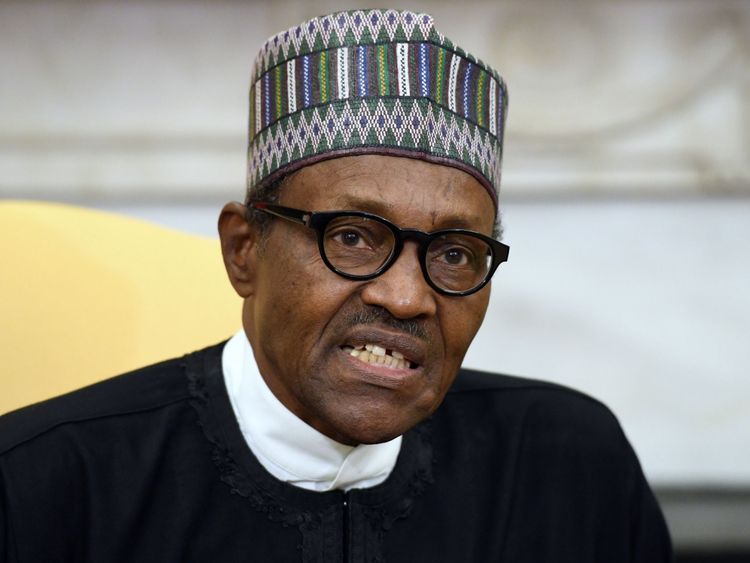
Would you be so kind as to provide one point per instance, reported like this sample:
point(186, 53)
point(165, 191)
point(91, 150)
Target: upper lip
point(411, 347)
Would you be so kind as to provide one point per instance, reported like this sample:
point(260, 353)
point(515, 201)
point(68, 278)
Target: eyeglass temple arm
point(296, 215)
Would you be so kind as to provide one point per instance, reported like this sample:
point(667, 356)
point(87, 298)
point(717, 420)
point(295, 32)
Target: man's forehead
point(387, 186)
point(377, 169)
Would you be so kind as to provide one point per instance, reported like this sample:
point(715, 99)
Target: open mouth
point(377, 355)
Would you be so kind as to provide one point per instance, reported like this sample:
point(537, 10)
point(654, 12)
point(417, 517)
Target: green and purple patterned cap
point(373, 82)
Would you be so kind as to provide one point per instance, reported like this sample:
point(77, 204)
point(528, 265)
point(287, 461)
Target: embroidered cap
point(373, 82)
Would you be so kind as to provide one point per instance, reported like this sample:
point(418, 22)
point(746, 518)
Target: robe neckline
point(246, 476)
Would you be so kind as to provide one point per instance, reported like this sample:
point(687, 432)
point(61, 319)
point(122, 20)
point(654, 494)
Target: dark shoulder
point(473, 381)
point(532, 403)
point(145, 389)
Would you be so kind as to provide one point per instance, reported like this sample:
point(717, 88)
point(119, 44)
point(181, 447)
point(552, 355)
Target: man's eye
point(350, 238)
point(456, 257)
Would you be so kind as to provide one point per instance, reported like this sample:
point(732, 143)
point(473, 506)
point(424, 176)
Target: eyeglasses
point(361, 246)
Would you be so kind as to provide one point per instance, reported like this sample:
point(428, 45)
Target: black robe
point(152, 466)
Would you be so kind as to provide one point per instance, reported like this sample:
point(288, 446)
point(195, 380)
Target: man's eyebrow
point(348, 202)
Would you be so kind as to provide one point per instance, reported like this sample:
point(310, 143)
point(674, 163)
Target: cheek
point(297, 294)
point(461, 321)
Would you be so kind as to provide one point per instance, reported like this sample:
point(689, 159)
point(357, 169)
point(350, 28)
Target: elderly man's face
point(303, 319)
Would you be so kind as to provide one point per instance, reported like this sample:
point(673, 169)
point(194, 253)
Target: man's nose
point(402, 289)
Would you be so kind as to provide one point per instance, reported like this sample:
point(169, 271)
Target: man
point(338, 424)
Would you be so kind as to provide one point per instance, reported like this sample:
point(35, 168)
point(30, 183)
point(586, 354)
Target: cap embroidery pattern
point(373, 81)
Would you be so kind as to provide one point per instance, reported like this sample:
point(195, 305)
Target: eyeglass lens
point(360, 246)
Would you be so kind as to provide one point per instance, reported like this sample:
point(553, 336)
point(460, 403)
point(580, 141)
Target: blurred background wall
point(626, 190)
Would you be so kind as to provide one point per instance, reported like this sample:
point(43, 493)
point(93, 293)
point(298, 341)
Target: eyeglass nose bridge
point(400, 237)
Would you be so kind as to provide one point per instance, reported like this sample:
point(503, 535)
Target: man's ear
point(239, 247)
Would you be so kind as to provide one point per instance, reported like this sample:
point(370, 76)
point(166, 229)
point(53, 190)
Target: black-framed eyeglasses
point(362, 246)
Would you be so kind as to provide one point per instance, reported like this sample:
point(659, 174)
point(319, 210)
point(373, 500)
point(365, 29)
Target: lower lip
point(381, 375)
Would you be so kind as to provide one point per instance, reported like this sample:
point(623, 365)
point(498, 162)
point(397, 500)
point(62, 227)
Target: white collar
point(289, 448)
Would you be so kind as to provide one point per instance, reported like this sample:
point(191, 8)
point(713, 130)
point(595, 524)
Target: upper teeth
point(374, 354)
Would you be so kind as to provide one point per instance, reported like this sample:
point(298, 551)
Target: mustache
point(379, 315)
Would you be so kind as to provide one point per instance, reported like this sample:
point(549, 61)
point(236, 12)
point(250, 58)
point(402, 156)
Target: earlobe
point(239, 245)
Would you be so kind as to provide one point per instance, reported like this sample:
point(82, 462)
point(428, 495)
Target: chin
point(361, 430)
point(377, 437)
